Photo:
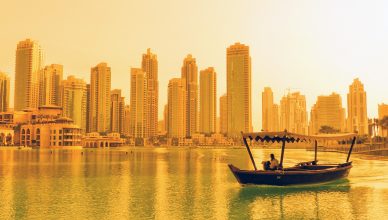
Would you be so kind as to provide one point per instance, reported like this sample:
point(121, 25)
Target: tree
point(328, 130)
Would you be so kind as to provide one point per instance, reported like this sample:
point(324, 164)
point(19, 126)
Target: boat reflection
point(293, 202)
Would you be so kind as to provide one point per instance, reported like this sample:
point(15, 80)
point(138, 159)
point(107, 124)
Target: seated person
point(273, 164)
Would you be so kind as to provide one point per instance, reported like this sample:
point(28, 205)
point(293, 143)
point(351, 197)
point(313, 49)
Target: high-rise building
point(29, 61)
point(357, 111)
point(99, 103)
point(150, 67)
point(224, 114)
point(117, 111)
point(270, 111)
point(208, 101)
point(138, 103)
point(238, 68)
point(74, 100)
point(50, 85)
point(4, 92)
point(190, 78)
point(176, 122)
point(88, 108)
point(275, 117)
point(383, 111)
point(165, 117)
point(127, 120)
point(327, 111)
point(293, 115)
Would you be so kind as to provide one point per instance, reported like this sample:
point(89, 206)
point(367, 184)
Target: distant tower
point(357, 109)
point(190, 78)
point(50, 85)
point(138, 104)
point(74, 100)
point(267, 107)
point(327, 111)
point(117, 111)
point(4, 92)
point(208, 101)
point(224, 114)
point(27, 75)
point(293, 115)
point(176, 122)
point(99, 103)
point(238, 67)
point(150, 67)
point(127, 120)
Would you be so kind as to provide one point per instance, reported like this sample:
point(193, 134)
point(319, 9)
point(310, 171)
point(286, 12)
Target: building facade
point(357, 108)
point(270, 111)
point(293, 115)
point(74, 100)
point(117, 111)
point(176, 122)
point(208, 101)
point(50, 85)
point(150, 67)
point(224, 114)
point(190, 78)
point(28, 64)
point(327, 111)
point(4, 92)
point(238, 67)
point(138, 103)
point(99, 100)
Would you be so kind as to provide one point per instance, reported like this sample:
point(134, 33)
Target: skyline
point(306, 51)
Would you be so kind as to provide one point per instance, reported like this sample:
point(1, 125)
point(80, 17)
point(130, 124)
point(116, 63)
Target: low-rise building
point(95, 140)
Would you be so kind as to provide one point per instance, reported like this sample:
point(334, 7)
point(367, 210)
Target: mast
point(249, 151)
point(351, 148)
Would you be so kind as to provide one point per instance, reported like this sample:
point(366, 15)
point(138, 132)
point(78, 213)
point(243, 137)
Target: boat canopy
point(293, 137)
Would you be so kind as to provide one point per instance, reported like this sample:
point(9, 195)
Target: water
point(178, 184)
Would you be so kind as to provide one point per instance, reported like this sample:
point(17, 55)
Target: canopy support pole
point(282, 154)
point(316, 150)
point(351, 148)
point(249, 152)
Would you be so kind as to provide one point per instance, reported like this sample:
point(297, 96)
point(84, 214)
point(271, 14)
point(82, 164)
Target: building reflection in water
point(142, 183)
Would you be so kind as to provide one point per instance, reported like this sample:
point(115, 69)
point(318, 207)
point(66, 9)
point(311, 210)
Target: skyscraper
point(327, 111)
point(127, 120)
point(293, 115)
point(270, 111)
point(4, 92)
point(99, 103)
point(74, 100)
point(208, 101)
point(190, 78)
point(357, 111)
point(27, 70)
point(138, 103)
point(150, 67)
point(117, 111)
point(238, 67)
point(50, 84)
point(176, 122)
point(224, 114)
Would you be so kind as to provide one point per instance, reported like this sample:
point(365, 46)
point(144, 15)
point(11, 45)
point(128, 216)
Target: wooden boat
point(302, 173)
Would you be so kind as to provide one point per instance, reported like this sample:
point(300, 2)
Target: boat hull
point(290, 177)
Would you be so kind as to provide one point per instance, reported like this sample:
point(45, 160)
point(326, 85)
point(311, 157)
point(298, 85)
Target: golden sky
point(317, 47)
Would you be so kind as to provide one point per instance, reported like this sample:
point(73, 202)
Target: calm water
point(178, 184)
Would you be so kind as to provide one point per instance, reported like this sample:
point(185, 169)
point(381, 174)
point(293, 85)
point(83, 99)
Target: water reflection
point(136, 183)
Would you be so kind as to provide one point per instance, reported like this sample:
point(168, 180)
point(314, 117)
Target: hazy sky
point(316, 47)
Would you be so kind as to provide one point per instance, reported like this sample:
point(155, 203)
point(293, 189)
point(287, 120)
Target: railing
point(357, 148)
